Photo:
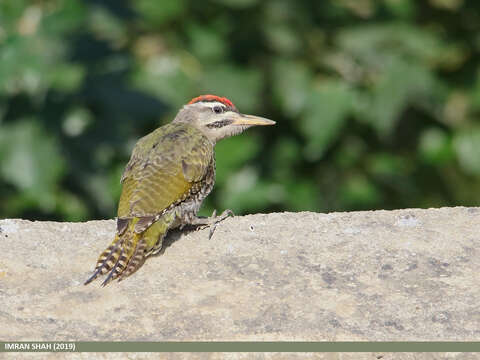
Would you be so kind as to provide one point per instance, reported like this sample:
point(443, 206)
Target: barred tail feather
point(116, 270)
point(121, 258)
point(136, 261)
point(106, 260)
point(135, 240)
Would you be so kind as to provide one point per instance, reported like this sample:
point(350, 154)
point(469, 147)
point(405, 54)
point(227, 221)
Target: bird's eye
point(218, 109)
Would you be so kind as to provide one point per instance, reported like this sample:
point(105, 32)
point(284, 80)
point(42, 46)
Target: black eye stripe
point(220, 123)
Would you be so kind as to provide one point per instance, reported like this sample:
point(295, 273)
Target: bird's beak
point(250, 120)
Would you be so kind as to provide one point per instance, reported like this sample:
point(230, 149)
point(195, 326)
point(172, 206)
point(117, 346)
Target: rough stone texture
point(362, 276)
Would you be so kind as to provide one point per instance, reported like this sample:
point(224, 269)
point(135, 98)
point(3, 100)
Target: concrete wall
point(380, 275)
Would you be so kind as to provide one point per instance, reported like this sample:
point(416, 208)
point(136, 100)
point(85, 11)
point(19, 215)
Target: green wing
point(164, 166)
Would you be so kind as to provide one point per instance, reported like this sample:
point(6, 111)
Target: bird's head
point(217, 117)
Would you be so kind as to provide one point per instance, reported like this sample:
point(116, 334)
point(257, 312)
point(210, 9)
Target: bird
point(169, 174)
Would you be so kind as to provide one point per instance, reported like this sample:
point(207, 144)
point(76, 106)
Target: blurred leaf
point(20, 71)
point(402, 83)
point(402, 8)
point(303, 195)
point(351, 152)
point(76, 122)
point(282, 38)
point(241, 85)
point(207, 44)
point(31, 160)
point(98, 186)
point(71, 207)
point(447, 4)
point(159, 12)
point(467, 149)
point(163, 77)
point(385, 164)
point(375, 44)
point(106, 26)
point(475, 93)
point(234, 153)
point(244, 191)
point(237, 3)
point(456, 109)
point(435, 146)
point(67, 77)
point(10, 13)
point(66, 16)
point(286, 154)
point(357, 192)
point(326, 112)
point(361, 8)
point(28, 64)
point(291, 85)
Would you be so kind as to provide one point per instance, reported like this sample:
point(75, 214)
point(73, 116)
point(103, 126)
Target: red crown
point(210, 98)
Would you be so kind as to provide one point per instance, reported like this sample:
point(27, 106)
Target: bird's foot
point(212, 221)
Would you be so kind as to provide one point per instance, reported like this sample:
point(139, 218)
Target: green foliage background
point(377, 103)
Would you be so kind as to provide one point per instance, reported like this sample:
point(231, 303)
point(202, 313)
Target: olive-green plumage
point(170, 172)
point(154, 178)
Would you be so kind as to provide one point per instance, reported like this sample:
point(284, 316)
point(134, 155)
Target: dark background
point(377, 103)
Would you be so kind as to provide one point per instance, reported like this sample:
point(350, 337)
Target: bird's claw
point(216, 219)
point(212, 221)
